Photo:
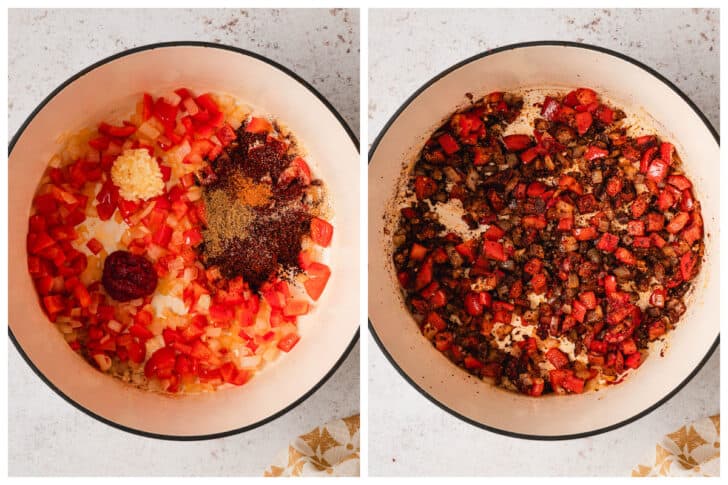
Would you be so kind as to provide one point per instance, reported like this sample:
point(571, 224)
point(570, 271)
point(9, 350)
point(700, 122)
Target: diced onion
point(271, 354)
point(191, 106)
point(213, 332)
point(115, 326)
point(147, 130)
point(203, 304)
point(249, 362)
point(104, 361)
point(172, 98)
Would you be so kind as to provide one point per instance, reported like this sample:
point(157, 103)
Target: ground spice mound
point(254, 224)
point(250, 193)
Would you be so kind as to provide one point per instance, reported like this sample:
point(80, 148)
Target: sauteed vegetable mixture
point(582, 243)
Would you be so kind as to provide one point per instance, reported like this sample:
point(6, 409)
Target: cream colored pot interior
point(326, 332)
point(629, 86)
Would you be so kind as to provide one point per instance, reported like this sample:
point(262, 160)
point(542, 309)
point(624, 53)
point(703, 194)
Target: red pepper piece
point(677, 222)
point(117, 131)
point(665, 200)
point(608, 242)
point(636, 228)
point(586, 96)
point(578, 311)
point(647, 157)
point(585, 233)
point(527, 156)
point(566, 223)
point(535, 189)
point(557, 358)
point(589, 299)
point(570, 99)
point(633, 361)
point(625, 256)
point(494, 233)
point(655, 222)
point(687, 203)
point(666, 150)
point(641, 242)
point(550, 108)
point(424, 187)
point(535, 222)
point(694, 231)
point(657, 171)
point(688, 261)
point(567, 182)
point(594, 152)
point(494, 250)
point(614, 186)
point(516, 143)
point(583, 122)
point(605, 114)
point(448, 143)
point(679, 181)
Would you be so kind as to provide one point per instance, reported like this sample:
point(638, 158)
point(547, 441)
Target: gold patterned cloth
point(328, 450)
point(691, 451)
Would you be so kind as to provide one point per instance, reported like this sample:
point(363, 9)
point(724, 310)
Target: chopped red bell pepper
point(585, 233)
point(289, 341)
point(424, 187)
point(657, 171)
point(655, 222)
point(529, 155)
point(516, 143)
point(679, 181)
point(583, 122)
point(589, 299)
point(578, 311)
point(677, 222)
point(614, 186)
point(535, 222)
point(550, 108)
point(594, 152)
point(557, 358)
point(586, 96)
point(494, 250)
point(636, 228)
point(666, 150)
point(494, 233)
point(321, 232)
point(688, 262)
point(625, 255)
point(448, 143)
point(608, 242)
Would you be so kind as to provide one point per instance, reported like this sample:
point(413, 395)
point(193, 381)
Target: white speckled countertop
point(46, 435)
point(408, 435)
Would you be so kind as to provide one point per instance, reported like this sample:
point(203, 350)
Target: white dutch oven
point(328, 332)
point(535, 65)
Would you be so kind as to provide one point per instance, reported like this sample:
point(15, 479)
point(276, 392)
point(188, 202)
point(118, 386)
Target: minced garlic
point(137, 175)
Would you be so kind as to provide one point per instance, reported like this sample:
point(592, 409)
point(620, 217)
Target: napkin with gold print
point(691, 451)
point(328, 450)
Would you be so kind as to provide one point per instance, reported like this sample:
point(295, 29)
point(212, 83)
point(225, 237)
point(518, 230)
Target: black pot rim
point(373, 149)
point(132, 51)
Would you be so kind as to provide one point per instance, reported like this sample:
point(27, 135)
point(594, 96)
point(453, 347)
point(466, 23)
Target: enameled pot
point(328, 332)
point(643, 93)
